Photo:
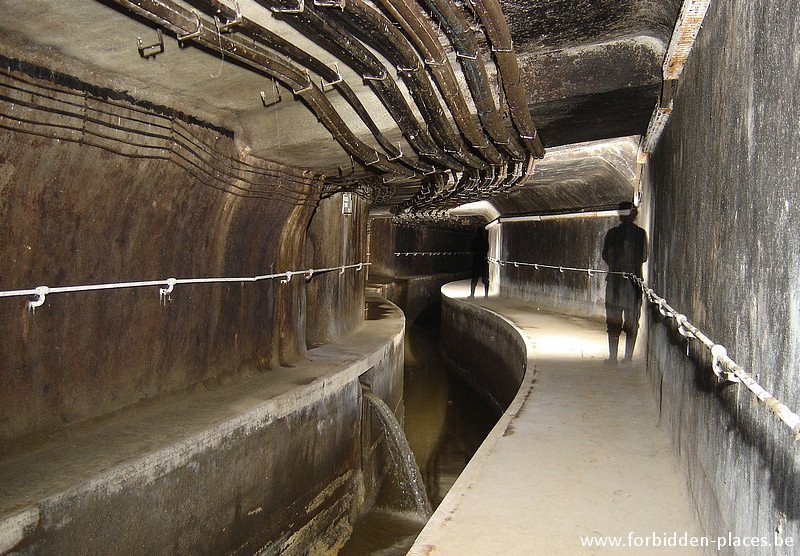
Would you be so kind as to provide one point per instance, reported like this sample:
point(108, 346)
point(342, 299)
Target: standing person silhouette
point(624, 250)
point(480, 264)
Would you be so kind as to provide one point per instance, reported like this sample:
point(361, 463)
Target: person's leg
point(613, 317)
point(631, 320)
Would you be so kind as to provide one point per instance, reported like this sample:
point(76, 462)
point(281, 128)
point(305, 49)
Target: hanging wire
point(723, 366)
point(167, 285)
point(143, 134)
point(431, 253)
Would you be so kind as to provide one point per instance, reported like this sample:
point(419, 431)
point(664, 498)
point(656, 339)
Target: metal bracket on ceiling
point(224, 27)
point(434, 63)
point(400, 153)
point(276, 100)
point(377, 159)
point(194, 34)
point(338, 79)
point(334, 4)
point(149, 50)
point(409, 70)
point(509, 49)
point(467, 56)
point(304, 89)
point(300, 7)
point(374, 78)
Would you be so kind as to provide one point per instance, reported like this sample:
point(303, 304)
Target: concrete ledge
point(413, 294)
point(519, 347)
point(577, 459)
point(483, 347)
point(272, 463)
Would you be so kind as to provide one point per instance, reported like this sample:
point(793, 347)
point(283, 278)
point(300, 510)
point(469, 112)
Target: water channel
point(445, 423)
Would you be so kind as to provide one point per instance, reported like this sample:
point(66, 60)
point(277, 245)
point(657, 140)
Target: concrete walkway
point(578, 458)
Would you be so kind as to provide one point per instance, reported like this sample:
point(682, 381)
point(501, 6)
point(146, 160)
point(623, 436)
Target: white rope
point(723, 366)
point(431, 253)
point(167, 285)
point(537, 266)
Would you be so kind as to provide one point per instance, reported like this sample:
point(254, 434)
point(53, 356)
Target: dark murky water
point(445, 423)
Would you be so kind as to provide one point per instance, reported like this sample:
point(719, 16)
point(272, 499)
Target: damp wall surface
point(390, 241)
point(725, 252)
point(483, 348)
point(574, 242)
point(279, 464)
point(97, 188)
point(410, 263)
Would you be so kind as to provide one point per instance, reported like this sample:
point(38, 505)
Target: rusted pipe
point(493, 20)
point(409, 15)
point(300, 56)
point(183, 22)
point(375, 29)
point(328, 34)
point(469, 56)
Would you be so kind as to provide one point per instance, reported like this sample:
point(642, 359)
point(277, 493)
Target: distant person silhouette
point(480, 264)
point(624, 250)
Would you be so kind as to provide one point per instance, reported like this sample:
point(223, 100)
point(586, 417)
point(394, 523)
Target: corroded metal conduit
point(411, 19)
point(167, 285)
point(469, 56)
point(374, 28)
point(724, 367)
point(493, 20)
point(326, 32)
point(282, 46)
point(189, 26)
point(81, 117)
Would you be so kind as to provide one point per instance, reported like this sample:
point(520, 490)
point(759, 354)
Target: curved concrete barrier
point(485, 348)
point(274, 463)
point(491, 352)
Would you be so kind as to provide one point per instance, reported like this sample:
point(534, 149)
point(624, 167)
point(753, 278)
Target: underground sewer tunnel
point(202, 201)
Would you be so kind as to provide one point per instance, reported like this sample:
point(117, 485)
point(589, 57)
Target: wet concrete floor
point(579, 459)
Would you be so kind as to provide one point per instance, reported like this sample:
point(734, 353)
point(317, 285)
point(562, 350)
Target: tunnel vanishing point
point(199, 198)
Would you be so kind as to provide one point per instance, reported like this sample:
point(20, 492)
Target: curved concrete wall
point(576, 242)
point(482, 347)
point(98, 187)
point(279, 464)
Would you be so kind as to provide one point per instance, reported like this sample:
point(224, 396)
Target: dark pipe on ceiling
point(188, 25)
point(298, 55)
point(328, 34)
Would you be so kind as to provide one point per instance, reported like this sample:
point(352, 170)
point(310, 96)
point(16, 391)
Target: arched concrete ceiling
point(588, 70)
point(594, 175)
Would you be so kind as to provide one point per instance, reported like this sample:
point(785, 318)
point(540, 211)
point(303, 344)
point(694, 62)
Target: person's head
point(628, 212)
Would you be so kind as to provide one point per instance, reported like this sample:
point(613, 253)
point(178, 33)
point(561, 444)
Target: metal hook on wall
point(149, 50)
point(164, 293)
point(288, 278)
point(41, 293)
point(194, 34)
